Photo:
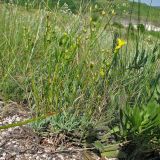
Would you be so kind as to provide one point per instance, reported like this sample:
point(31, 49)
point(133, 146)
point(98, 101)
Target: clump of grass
point(51, 61)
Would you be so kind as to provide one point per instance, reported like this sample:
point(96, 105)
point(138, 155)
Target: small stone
point(4, 154)
point(2, 142)
point(38, 157)
point(18, 118)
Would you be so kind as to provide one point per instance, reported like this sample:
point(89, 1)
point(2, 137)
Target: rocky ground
point(23, 143)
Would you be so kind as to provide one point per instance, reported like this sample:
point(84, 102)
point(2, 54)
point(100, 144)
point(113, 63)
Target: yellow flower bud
point(96, 6)
point(84, 30)
point(102, 74)
point(103, 13)
point(113, 12)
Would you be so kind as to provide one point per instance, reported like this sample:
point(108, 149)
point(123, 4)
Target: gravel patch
point(22, 143)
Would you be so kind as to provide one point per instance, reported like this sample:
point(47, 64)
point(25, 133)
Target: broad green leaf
point(114, 154)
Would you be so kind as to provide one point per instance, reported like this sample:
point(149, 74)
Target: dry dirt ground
point(21, 143)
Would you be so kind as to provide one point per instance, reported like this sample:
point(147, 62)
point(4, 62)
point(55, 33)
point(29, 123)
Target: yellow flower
point(120, 44)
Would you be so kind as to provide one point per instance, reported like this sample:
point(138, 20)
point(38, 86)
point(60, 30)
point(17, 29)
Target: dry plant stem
point(75, 150)
point(35, 42)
